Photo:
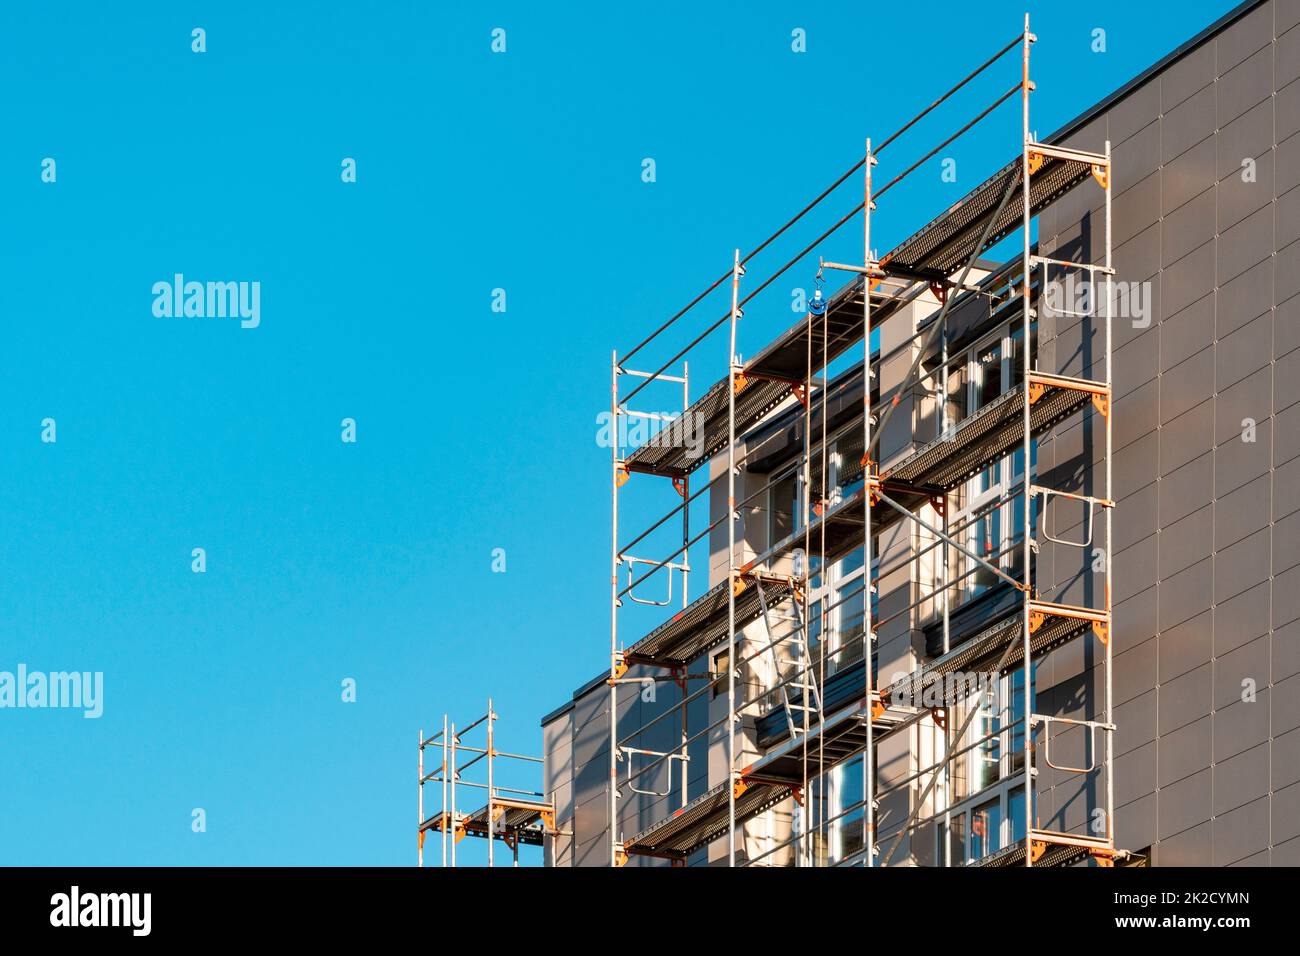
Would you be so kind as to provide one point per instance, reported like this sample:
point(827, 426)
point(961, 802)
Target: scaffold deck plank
point(1050, 849)
point(703, 820)
point(522, 820)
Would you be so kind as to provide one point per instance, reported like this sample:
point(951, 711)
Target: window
point(847, 829)
point(990, 521)
point(1016, 812)
point(955, 832)
point(988, 789)
point(783, 507)
point(986, 829)
point(721, 661)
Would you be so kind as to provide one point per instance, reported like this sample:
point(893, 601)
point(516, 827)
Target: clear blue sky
point(476, 430)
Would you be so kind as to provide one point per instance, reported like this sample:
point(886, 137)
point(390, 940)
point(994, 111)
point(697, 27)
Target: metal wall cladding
point(1207, 438)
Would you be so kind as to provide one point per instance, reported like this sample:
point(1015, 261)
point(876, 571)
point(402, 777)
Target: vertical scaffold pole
point(1110, 630)
point(613, 617)
point(491, 821)
point(945, 571)
point(805, 503)
point(686, 564)
point(444, 790)
point(869, 754)
point(736, 272)
point(451, 815)
point(419, 810)
point(1027, 498)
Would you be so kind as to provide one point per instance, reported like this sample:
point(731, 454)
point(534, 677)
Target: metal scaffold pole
point(685, 492)
point(1027, 441)
point(614, 657)
point(737, 271)
point(452, 820)
point(945, 577)
point(444, 789)
point(1108, 508)
point(868, 638)
point(419, 812)
point(491, 787)
point(805, 503)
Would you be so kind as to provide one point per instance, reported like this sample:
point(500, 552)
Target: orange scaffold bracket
point(871, 479)
point(940, 716)
point(739, 786)
point(1036, 849)
point(874, 283)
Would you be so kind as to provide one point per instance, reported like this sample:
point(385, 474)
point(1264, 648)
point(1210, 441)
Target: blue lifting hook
point(818, 305)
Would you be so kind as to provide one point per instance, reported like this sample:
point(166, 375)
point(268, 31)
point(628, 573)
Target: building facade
point(1205, 558)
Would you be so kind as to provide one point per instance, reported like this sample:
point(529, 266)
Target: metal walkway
point(1050, 848)
point(521, 821)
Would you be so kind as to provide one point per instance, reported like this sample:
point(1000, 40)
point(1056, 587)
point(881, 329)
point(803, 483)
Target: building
point(1164, 632)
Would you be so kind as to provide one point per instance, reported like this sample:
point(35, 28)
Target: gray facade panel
point(1187, 124)
point(1249, 136)
point(1186, 333)
point(1241, 780)
point(1190, 225)
point(1247, 35)
point(1241, 833)
point(1286, 651)
point(1188, 176)
point(1241, 566)
point(1185, 647)
point(1287, 167)
point(1192, 73)
point(1186, 489)
point(1247, 243)
point(1248, 83)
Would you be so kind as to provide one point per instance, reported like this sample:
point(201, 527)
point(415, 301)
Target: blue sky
point(476, 429)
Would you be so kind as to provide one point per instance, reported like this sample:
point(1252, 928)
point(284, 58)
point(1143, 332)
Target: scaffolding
point(508, 815)
point(814, 721)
